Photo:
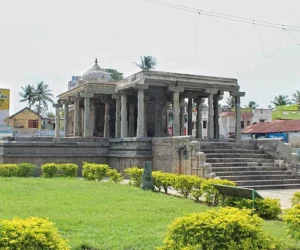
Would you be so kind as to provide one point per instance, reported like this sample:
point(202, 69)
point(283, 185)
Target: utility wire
point(225, 16)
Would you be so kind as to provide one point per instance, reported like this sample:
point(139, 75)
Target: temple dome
point(96, 74)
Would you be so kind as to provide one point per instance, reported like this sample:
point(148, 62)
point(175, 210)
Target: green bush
point(163, 180)
point(32, 233)
point(49, 170)
point(185, 183)
point(67, 170)
point(26, 169)
point(291, 219)
point(9, 170)
point(295, 199)
point(211, 194)
point(197, 191)
point(135, 175)
point(227, 228)
point(114, 176)
point(93, 171)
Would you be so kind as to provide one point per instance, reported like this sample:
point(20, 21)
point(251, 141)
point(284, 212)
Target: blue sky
point(51, 41)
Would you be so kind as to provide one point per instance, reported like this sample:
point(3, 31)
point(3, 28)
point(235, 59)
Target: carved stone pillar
point(199, 102)
point(237, 96)
point(57, 119)
point(141, 114)
point(124, 122)
point(182, 113)
point(66, 118)
point(210, 128)
point(107, 120)
point(87, 111)
point(76, 116)
point(176, 109)
point(131, 131)
point(190, 116)
point(145, 117)
point(216, 117)
point(118, 116)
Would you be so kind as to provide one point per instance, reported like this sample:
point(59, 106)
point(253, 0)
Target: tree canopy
point(281, 100)
point(230, 101)
point(115, 74)
point(147, 63)
point(296, 97)
point(252, 105)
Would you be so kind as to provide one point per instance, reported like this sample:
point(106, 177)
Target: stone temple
point(125, 124)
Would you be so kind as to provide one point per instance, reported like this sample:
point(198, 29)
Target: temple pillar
point(107, 120)
point(199, 102)
point(210, 128)
point(145, 117)
point(141, 114)
point(216, 117)
point(87, 103)
point(124, 122)
point(176, 109)
point(66, 118)
point(76, 116)
point(57, 119)
point(131, 131)
point(118, 116)
point(182, 113)
point(237, 96)
point(190, 116)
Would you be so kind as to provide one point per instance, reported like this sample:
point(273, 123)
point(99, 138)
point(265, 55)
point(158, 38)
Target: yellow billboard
point(4, 108)
point(4, 99)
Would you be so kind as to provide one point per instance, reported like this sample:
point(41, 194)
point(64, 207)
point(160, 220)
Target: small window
point(261, 120)
point(33, 123)
point(204, 124)
point(242, 124)
point(248, 123)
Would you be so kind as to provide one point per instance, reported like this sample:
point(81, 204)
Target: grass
point(96, 214)
point(99, 214)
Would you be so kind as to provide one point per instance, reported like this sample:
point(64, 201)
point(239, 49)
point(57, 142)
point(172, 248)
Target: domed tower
point(96, 75)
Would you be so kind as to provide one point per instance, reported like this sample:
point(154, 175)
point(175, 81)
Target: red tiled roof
point(278, 126)
point(245, 114)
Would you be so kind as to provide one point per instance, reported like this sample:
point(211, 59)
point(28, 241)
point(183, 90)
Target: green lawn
point(99, 214)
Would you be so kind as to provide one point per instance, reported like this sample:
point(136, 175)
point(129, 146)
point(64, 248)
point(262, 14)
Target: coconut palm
point(296, 97)
point(281, 100)
point(27, 94)
point(251, 105)
point(230, 101)
point(147, 63)
point(42, 95)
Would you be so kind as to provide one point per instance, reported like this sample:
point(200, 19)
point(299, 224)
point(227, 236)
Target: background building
point(4, 109)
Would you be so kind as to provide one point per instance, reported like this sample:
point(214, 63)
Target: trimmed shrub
point(135, 175)
point(185, 183)
point(163, 180)
point(26, 169)
point(32, 233)
point(211, 194)
point(9, 170)
point(49, 170)
point(227, 228)
point(197, 191)
point(67, 170)
point(295, 199)
point(291, 219)
point(93, 171)
point(114, 176)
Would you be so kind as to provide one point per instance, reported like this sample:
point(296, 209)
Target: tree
point(251, 105)
point(230, 101)
point(147, 63)
point(50, 114)
point(42, 95)
point(296, 97)
point(281, 100)
point(27, 95)
point(115, 74)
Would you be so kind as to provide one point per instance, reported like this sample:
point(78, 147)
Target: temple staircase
point(246, 165)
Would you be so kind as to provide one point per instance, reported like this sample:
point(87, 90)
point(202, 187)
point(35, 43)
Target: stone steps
point(275, 186)
point(235, 151)
point(225, 146)
point(250, 172)
point(266, 176)
point(244, 164)
point(246, 183)
point(230, 160)
point(234, 169)
point(235, 155)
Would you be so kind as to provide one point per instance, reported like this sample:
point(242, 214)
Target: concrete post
point(190, 116)
point(124, 124)
point(131, 131)
point(76, 116)
point(107, 120)
point(66, 120)
point(87, 101)
point(118, 116)
point(141, 114)
point(57, 119)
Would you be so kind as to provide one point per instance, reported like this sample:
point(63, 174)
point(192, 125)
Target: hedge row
point(17, 170)
point(197, 187)
point(291, 217)
point(31, 233)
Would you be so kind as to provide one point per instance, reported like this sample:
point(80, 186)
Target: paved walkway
point(284, 195)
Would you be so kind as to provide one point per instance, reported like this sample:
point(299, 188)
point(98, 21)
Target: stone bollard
point(147, 180)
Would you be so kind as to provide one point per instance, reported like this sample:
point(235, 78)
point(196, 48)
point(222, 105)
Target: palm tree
point(230, 101)
point(281, 100)
point(42, 95)
point(296, 97)
point(147, 63)
point(27, 95)
point(251, 105)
